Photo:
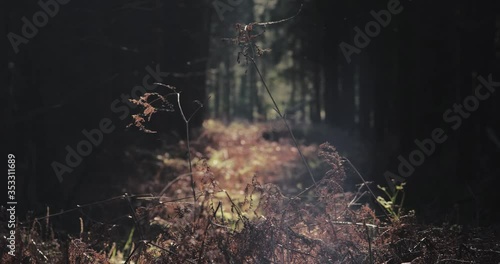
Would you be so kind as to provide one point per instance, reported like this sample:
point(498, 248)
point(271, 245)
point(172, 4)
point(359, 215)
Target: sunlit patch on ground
point(233, 156)
point(240, 152)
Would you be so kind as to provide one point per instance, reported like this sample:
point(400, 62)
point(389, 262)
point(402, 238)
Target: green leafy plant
point(392, 204)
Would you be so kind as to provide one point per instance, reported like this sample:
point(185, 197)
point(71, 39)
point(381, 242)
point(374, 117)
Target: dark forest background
point(393, 92)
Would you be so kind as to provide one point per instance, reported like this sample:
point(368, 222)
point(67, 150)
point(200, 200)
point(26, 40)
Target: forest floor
point(251, 208)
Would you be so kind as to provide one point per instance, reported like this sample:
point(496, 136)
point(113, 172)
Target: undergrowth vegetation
point(246, 213)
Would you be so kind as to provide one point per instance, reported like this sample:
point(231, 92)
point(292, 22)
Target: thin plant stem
point(367, 186)
point(134, 217)
point(278, 111)
point(368, 237)
point(188, 140)
point(186, 121)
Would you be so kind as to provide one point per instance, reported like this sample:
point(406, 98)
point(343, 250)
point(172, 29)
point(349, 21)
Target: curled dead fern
point(151, 103)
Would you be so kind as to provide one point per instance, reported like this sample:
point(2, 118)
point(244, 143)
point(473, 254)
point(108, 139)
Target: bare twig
point(279, 21)
point(188, 141)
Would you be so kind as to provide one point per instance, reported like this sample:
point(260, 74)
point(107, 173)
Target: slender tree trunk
point(366, 98)
point(218, 92)
point(315, 102)
point(256, 103)
point(346, 114)
point(259, 100)
point(245, 99)
point(226, 94)
point(303, 94)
